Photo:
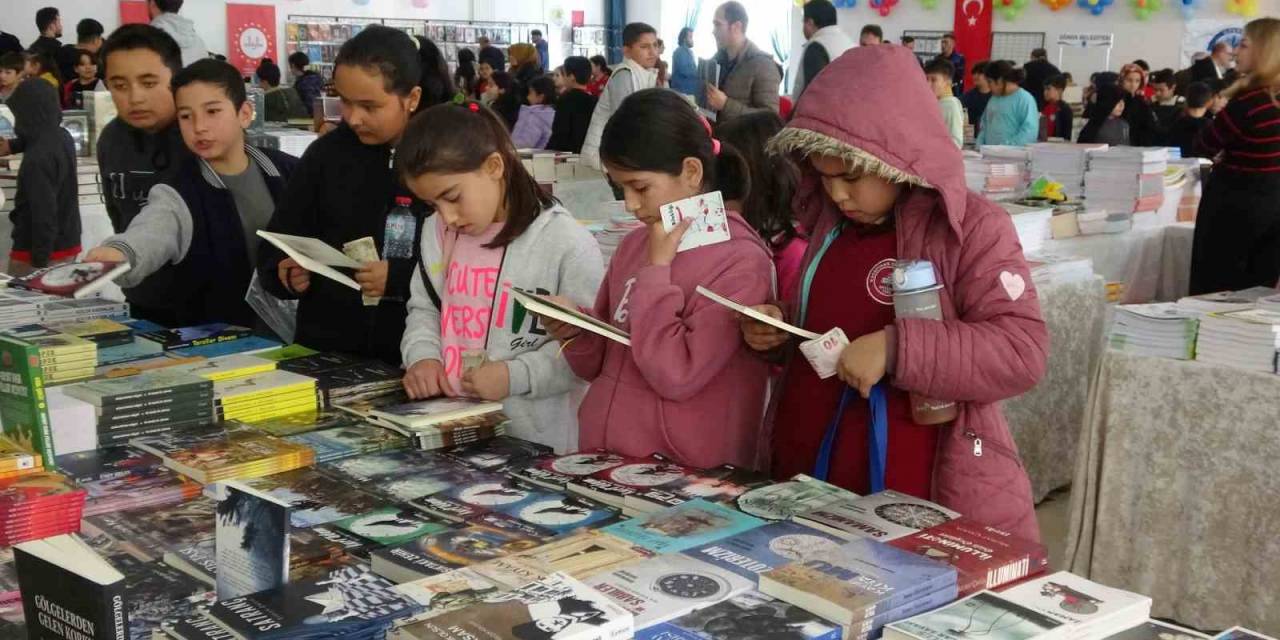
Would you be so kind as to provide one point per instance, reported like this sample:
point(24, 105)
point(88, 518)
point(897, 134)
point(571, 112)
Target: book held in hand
point(70, 592)
point(315, 256)
point(73, 279)
point(547, 308)
point(710, 222)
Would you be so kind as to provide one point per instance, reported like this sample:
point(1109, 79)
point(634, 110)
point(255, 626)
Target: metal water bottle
point(917, 294)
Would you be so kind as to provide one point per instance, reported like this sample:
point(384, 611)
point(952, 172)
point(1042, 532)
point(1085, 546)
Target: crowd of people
point(863, 174)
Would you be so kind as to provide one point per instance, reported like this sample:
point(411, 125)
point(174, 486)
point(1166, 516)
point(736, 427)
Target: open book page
point(314, 256)
point(545, 307)
point(756, 315)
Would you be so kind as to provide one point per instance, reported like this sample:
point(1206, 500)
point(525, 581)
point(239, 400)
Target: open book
point(73, 279)
point(543, 306)
point(756, 315)
point(314, 255)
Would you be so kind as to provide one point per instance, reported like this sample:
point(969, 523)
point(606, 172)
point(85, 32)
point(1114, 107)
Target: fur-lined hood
point(859, 108)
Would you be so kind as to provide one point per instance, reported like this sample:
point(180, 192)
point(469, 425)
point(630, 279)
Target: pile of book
point(63, 357)
point(1125, 180)
point(343, 379)
point(436, 423)
point(1018, 160)
point(609, 234)
point(102, 332)
point(38, 505)
point(1162, 330)
point(19, 307)
point(264, 395)
point(1031, 224)
point(151, 403)
point(64, 310)
point(125, 478)
point(226, 367)
point(1059, 269)
point(212, 453)
point(1063, 162)
point(348, 441)
point(1225, 301)
point(995, 179)
point(1246, 339)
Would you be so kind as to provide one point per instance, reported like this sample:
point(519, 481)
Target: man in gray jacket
point(164, 16)
point(749, 78)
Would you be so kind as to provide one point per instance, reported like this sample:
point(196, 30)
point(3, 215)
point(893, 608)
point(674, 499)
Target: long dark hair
point(403, 61)
point(465, 76)
point(452, 138)
point(436, 83)
point(767, 206)
point(656, 129)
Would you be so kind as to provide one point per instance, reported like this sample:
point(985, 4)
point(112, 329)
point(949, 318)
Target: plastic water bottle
point(916, 295)
point(400, 230)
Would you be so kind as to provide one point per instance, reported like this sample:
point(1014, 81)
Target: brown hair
point(1264, 39)
point(458, 138)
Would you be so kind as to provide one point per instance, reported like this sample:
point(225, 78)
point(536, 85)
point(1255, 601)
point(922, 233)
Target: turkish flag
point(134, 12)
point(251, 36)
point(973, 32)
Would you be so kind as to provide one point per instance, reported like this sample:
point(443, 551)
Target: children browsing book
point(199, 228)
point(533, 128)
point(1055, 115)
point(493, 230)
point(767, 203)
point(686, 387)
point(46, 212)
point(346, 189)
point(939, 73)
point(864, 191)
point(1011, 116)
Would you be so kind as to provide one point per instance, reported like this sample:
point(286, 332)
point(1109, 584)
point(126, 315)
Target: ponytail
point(437, 85)
point(656, 129)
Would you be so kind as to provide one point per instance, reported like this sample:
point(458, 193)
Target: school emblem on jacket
point(880, 281)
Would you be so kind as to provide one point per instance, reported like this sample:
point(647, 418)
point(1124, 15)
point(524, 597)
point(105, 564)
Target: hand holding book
point(427, 379)
point(761, 336)
point(562, 331)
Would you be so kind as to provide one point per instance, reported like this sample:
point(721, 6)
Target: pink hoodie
point(992, 343)
point(688, 387)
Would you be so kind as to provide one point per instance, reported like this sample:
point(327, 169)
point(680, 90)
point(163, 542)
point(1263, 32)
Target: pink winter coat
point(873, 107)
point(688, 387)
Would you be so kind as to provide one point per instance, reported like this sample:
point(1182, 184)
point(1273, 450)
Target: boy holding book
point(46, 212)
point(199, 227)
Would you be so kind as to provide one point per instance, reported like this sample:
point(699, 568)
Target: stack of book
point(609, 234)
point(264, 395)
point(984, 557)
point(862, 585)
point(305, 422)
point(1245, 339)
point(1064, 163)
point(16, 460)
point(345, 442)
point(1162, 330)
point(213, 453)
point(880, 516)
point(1224, 301)
point(60, 310)
point(1124, 180)
point(995, 179)
point(63, 357)
point(1059, 269)
point(138, 487)
point(102, 332)
point(1017, 158)
point(1060, 606)
point(38, 505)
point(227, 367)
point(345, 379)
point(19, 307)
point(495, 494)
point(151, 403)
point(442, 422)
point(1031, 224)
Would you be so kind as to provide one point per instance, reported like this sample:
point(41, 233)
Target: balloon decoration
point(1096, 7)
point(845, 4)
point(1246, 8)
point(883, 7)
point(1057, 5)
point(1010, 8)
point(929, 4)
point(1189, 8)
point(1142, 9)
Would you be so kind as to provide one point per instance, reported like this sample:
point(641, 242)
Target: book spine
point(113, 623)
point(40, 414)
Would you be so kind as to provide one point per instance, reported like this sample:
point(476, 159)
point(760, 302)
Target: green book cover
point(24, 410)
point(287, 352)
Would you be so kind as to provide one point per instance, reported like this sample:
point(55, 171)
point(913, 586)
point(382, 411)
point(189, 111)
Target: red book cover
point(614, 484)
point(73, 279)
point(984, 557)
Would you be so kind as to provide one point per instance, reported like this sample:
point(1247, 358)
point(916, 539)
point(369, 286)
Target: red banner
point(973, 32)
point(134, 12)
point(251, 35)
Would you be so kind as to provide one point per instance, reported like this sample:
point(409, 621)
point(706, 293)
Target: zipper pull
point(391, 160)
point(977, 447)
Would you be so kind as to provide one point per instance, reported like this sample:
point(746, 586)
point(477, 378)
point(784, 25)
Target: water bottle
point(916, 295)
point(400, 229)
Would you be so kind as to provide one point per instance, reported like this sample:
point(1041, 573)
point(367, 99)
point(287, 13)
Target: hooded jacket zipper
point(979, 445)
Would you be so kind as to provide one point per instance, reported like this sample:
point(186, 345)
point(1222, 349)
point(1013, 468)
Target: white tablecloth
point(1152, 262)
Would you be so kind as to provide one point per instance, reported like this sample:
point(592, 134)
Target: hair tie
point(715, 144)
point(475, 108)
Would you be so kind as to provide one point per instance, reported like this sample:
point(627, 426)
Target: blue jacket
point(684, 72)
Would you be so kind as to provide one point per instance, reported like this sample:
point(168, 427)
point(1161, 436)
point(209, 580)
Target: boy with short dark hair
point(871, 35)
point(939, 73)
point(46, 211)
point(1195, 117)
point(11, 66)
point(281, 103)
point(1055, 116)
point(636, 72)
point(975, 100)
point(306, 82)
point(574, 108)
point(86, 79)
point(199, 228)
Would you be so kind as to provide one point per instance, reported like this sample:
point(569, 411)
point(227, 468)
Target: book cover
point(197, 336)
point(1077, 601)
point(73, 279)
point(857, 580)
point(1155, 630)
point(342, 442)
point(746, 615)
point(783, 500)
point(156, 592)
point(247, 344)
point(720, 484)
point(755, 551)
point(101, 331)
point(390, 526)
point(227, 367)
point(424, 413)
point(685, 526)
point(983, 614)
point(24, 409)
point(555, 608)
point(314, 498)
point(252, 542)
point(582, 555)
point(985, 557)
point(303, 422)
point(447, 550)
point(449, 591)
point(557, 471)
point(270, 385)
point(69, 591)
point(497, 453)
point(880, 516)
point(347, 599)
point(399, 475)
point(668, 586)
point(104, 464)
point(310, 364)
point(613, 484)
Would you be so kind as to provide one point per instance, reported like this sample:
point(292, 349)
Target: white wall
point(210, 16)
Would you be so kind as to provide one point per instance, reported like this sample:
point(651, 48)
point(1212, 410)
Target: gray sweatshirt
point(183, 31)
point(555, 254)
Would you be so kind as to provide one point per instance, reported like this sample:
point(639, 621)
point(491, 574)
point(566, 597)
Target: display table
point(1176, 493)
point(583, 198)
point(1046, 420)
point(1136, 258)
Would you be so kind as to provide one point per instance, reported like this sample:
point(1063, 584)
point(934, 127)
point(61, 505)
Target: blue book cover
point(231, 347)
point(128, 352)
point(746, 615)
point(692, 524)
point(142, 326)
point(860, 579)
point(755, 551)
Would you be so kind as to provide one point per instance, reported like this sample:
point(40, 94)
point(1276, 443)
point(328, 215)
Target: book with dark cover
point(247, 344)
point(161, 383)
point(755, 551)
point(399, 475)
point(555, 472)
point(313, 497)
point(390, 526)
point(720, 484)
point(497, 454)
point(304, 422)
point(69, 592)
point(156, 592)
point(128, 351)
point(351, 545)
point(746, 615)
point(612, 486)
point(369, 379)
point(252, 542)
point(197, 336)
point(344, 442)
point(985, 557)
point(309, 365)
point(196, 627)
point(448, 550)
point(24, 410)
point(347, 600)
point(554, 511)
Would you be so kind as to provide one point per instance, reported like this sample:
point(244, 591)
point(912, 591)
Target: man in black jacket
point(573, 108)
point(1039, 70)
point(1215, 66)
point(49, 22)
point(46, 212)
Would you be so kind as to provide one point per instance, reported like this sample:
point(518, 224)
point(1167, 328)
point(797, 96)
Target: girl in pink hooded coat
point(883, 182)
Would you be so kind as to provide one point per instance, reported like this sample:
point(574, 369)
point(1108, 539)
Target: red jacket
point(992, 344)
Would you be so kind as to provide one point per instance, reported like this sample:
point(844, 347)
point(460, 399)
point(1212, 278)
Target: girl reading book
point(493, 230)
point(877, 190)
point(686, 387)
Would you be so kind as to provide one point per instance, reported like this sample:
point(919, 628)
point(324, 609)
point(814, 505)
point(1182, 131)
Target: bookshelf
point(454, 35)
point(590, 40)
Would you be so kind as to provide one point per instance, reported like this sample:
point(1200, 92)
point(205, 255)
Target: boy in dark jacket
point(199, 227)
point(1184, 131)
point(46, 212)
point(573, 108)
point(1055, 115)
point(307, 83)
point(282, 103)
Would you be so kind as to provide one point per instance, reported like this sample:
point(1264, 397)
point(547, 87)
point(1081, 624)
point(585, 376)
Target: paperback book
point(746, 615)
point(983, 614)
point(425, 413)
point(314, 498)
point(304, 422)
point(69, 591)
point(758, 550)
point(345, 442)
point(448, 550)
point(211, 453)
point(582, 555)
point(1088, 607)
point(668, 586)
point(555, 472)
point(720, 484)
point(73, 279)
point(612, 485)
point(228, 367)
point(984, 557)
point(24, 410)
point(252, 542)
point(556, 512)
point(692, 524)
point(390, 526)
point(449, 591)
point(197, 336)
point(880, 516)
point(784, 500)
point(497, 454)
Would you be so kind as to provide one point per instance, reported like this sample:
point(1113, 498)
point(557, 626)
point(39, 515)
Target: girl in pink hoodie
point(882, 181)
point(686, 387)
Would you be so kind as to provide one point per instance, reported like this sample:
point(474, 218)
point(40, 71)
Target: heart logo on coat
point(1013, 284)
